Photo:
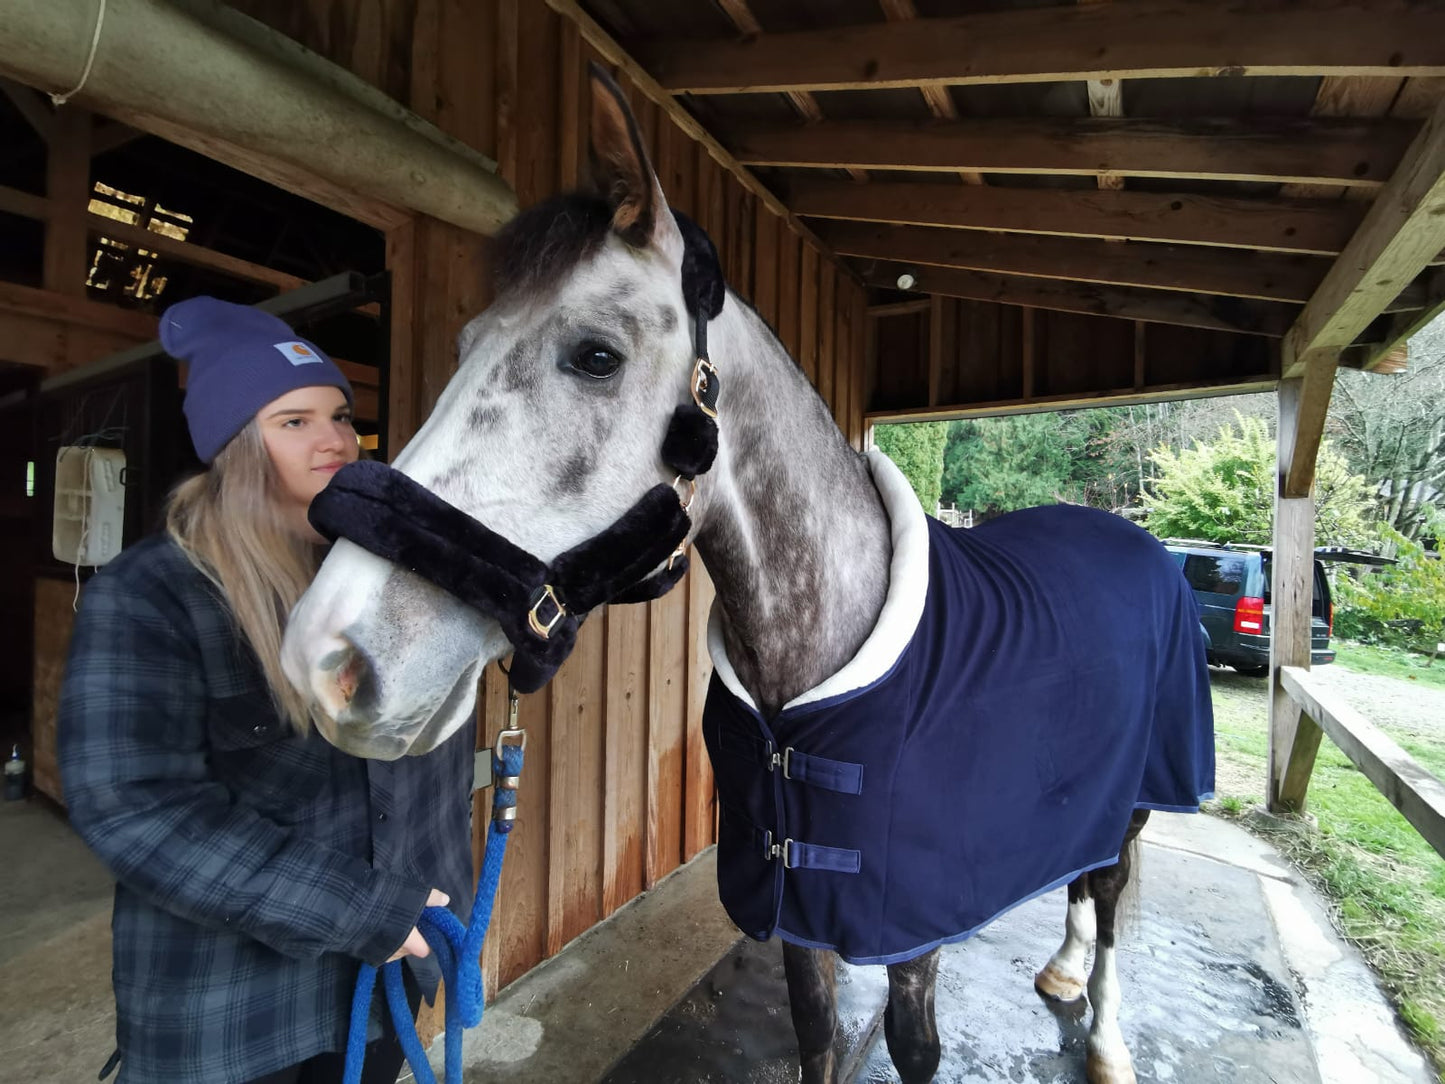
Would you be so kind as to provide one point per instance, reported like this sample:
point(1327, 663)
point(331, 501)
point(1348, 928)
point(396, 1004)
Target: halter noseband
point(540, 606)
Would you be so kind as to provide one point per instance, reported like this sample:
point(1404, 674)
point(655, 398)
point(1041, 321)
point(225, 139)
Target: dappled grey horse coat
point(1029, 684)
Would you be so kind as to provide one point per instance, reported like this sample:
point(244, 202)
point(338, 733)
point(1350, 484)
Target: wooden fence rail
point(1411, 789)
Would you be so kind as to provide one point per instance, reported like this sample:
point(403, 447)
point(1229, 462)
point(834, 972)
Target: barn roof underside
point(1165, 162)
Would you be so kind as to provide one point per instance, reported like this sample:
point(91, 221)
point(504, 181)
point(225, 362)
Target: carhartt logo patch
point(298, 353)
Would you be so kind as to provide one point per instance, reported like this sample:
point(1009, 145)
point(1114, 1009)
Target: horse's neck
point(793, 531)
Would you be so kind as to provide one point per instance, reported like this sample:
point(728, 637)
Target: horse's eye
point(596, 361)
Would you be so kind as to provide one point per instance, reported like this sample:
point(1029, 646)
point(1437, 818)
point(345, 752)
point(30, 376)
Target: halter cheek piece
point(540, 606)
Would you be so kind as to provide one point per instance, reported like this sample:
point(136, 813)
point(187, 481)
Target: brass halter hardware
point(703, 372)
point(534, 620)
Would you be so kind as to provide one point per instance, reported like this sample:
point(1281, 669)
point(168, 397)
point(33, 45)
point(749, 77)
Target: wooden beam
point(193, 254)
point(1402, 326)
point(66, 309)
point(25, 204)
point(937, 98)
point(613, 53)
point(898, 308)
point(1248, 385)
point(67, 190)
point(1293, 737)
point(1403, 229)
point(1400, 234)
point(1146, 38)
point(1153, 306)
point(1191, 268)
point(1319, 227)
point(1347, 96)
point(1409, 787)
point(1337, 150)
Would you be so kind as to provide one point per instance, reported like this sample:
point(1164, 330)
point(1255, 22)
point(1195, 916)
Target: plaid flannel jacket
point(254, 867)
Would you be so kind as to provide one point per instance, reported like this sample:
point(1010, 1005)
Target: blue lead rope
point(458, 950)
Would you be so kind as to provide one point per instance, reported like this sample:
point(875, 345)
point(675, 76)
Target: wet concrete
point(1206, 993)
point(733, 1027)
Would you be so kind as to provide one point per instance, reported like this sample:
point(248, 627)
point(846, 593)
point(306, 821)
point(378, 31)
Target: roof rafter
point(1320, 227)
point(1143, 39)
point(1268, 318)
point(1188, 268)
point(1317, 149)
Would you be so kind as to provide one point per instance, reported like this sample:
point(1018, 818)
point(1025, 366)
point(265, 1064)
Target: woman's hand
point(415, 944)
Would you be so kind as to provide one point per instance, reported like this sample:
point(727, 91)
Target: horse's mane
point(544, 242)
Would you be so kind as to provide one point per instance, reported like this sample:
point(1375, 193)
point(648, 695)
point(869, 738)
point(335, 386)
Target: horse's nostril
point(349, 675)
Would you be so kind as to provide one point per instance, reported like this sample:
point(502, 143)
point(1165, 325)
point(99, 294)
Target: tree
point(1000, 464)
point(1224, 491)
point(917, 450)
point(1401, 604)
point(1392, 428)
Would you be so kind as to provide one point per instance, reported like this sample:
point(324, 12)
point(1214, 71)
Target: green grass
point(1386, 884)
point(1391, 662)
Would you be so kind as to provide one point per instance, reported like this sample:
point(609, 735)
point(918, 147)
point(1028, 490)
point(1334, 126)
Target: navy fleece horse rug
point(1028, 685)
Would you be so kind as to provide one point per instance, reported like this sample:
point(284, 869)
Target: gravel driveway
point(1398, 705)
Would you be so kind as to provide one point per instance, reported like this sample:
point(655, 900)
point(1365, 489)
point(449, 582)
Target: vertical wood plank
point(700, 811)
point(827, 334)
point(507, 88)
point(401, 418)
point(935, 348)
point(808, 313)
point(858, 384)
point(666, 728)
point(746, 233)
point(625, 755)
point(574, 849)
point(571, 107)
point(789, 257)
point(1140, 354)
point(67, 185)
point(845, 377)
point(1026, 352)
point(765, 265)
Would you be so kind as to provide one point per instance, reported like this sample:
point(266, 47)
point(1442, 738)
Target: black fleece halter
point(540, 606)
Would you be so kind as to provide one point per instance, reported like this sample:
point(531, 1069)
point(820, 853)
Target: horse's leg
point(1063, 977)
point(908, 1021)
point(1108, 1060)
point(813, 999)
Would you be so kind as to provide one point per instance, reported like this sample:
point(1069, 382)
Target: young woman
point(255, 864)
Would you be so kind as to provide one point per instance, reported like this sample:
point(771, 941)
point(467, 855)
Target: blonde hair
point(228, 520)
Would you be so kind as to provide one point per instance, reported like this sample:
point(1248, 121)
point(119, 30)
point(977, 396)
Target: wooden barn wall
point(618, 790)
point(955, 356)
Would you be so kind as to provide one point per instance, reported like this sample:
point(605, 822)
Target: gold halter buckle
point(534, 619)
point(702, 373)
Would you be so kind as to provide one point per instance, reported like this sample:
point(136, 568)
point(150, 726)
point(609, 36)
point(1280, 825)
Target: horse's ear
point(622, 173)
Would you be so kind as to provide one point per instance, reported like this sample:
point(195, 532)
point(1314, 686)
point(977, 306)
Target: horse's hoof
point(1100, 1071)
point(1057, 986)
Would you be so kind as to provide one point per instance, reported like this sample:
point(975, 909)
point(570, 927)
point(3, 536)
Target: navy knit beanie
point(240, 359)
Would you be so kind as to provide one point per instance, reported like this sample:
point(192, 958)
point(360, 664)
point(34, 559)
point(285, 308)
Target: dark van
point(1232, 587)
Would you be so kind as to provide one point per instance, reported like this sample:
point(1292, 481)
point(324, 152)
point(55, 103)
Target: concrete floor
point(1231, 972)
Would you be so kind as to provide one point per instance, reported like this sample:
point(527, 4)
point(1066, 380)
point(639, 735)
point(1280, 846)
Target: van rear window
point(1222, 574)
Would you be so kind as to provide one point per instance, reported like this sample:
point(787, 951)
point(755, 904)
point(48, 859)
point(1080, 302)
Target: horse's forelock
point(545, 242)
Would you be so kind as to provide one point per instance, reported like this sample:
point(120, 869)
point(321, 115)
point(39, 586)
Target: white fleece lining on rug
point(902, 609)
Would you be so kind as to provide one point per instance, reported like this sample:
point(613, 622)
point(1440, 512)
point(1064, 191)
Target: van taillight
point(1249, 615)
point(1331, 628)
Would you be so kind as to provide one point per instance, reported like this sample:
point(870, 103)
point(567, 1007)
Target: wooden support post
point(67, 187)
point(1294, 738)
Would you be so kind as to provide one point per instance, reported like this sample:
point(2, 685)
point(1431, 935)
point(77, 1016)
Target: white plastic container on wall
point(89, 505)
